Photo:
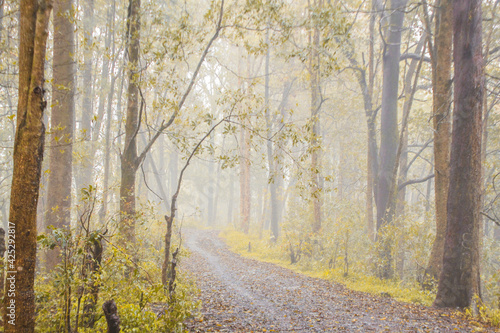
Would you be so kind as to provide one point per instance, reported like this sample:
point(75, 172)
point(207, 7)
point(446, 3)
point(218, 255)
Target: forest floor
point(244, 295)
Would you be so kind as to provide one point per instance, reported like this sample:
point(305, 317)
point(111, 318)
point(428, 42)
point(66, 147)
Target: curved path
point(245, 295)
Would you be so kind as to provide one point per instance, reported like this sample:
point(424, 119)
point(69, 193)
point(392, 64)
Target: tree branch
point(418, 154)
point(414, 181)
point(165, 125)
point(188, 161)
point(414, 56)
point(196, 71)
point(491, 218)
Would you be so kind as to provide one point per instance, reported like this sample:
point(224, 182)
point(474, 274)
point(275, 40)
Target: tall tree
point(459, 281)
point(109, 117)
point(441, 81)
point(245, 189)
point(60, 151)
point(271, 163)
point(366, 84)
point(371, 158)
point(389, 129)
point(314, 71)
point(28, 155)
point(84, 175)
point(129, 159)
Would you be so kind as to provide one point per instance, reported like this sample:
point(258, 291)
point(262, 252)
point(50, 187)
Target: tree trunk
point(230, 203)
point(166, 261)
point(28, 155)
point(111, 313)
point(459, 281)
point(245, 191)
point(95, 252)
point(129, 158)
point(211, 190)
point(107, 140)
point(217, 189)
point(84, 175)
point(245, 201)
point(174, 171)
point(314, 70)
point(272, 175)
point(389, 132)
point(58, 212)
point(370, 175)
point(367, 87)
point(441, 76)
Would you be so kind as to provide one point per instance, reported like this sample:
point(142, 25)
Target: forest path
point(245, 295)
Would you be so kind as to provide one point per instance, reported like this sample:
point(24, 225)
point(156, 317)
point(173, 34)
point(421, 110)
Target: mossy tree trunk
point(28, 155)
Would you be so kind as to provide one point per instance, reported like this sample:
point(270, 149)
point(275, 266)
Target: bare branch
point(414, 56)
point(496, 221)
point(415, 181)
point(418, 154)
point(197, 70)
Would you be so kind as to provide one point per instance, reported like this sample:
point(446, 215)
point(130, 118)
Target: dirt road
point(244, 295)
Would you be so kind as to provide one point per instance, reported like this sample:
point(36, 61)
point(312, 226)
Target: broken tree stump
point(111, 313)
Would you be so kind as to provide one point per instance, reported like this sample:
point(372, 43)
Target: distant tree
point(28, 155)
point(271, 164)
point(109, 116)
point(389, 129)
point(314, 71)
point(459, 281)
point(83, 176)
point(60, 150)
point(245, 176)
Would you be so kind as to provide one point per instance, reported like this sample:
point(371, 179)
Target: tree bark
point(111, 313)
point(441, 109)
point(168, 237)
point(28, 155)
point(459, 281)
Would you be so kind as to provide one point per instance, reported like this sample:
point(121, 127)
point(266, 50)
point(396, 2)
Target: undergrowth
point(95, 266)
point(144, 305)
